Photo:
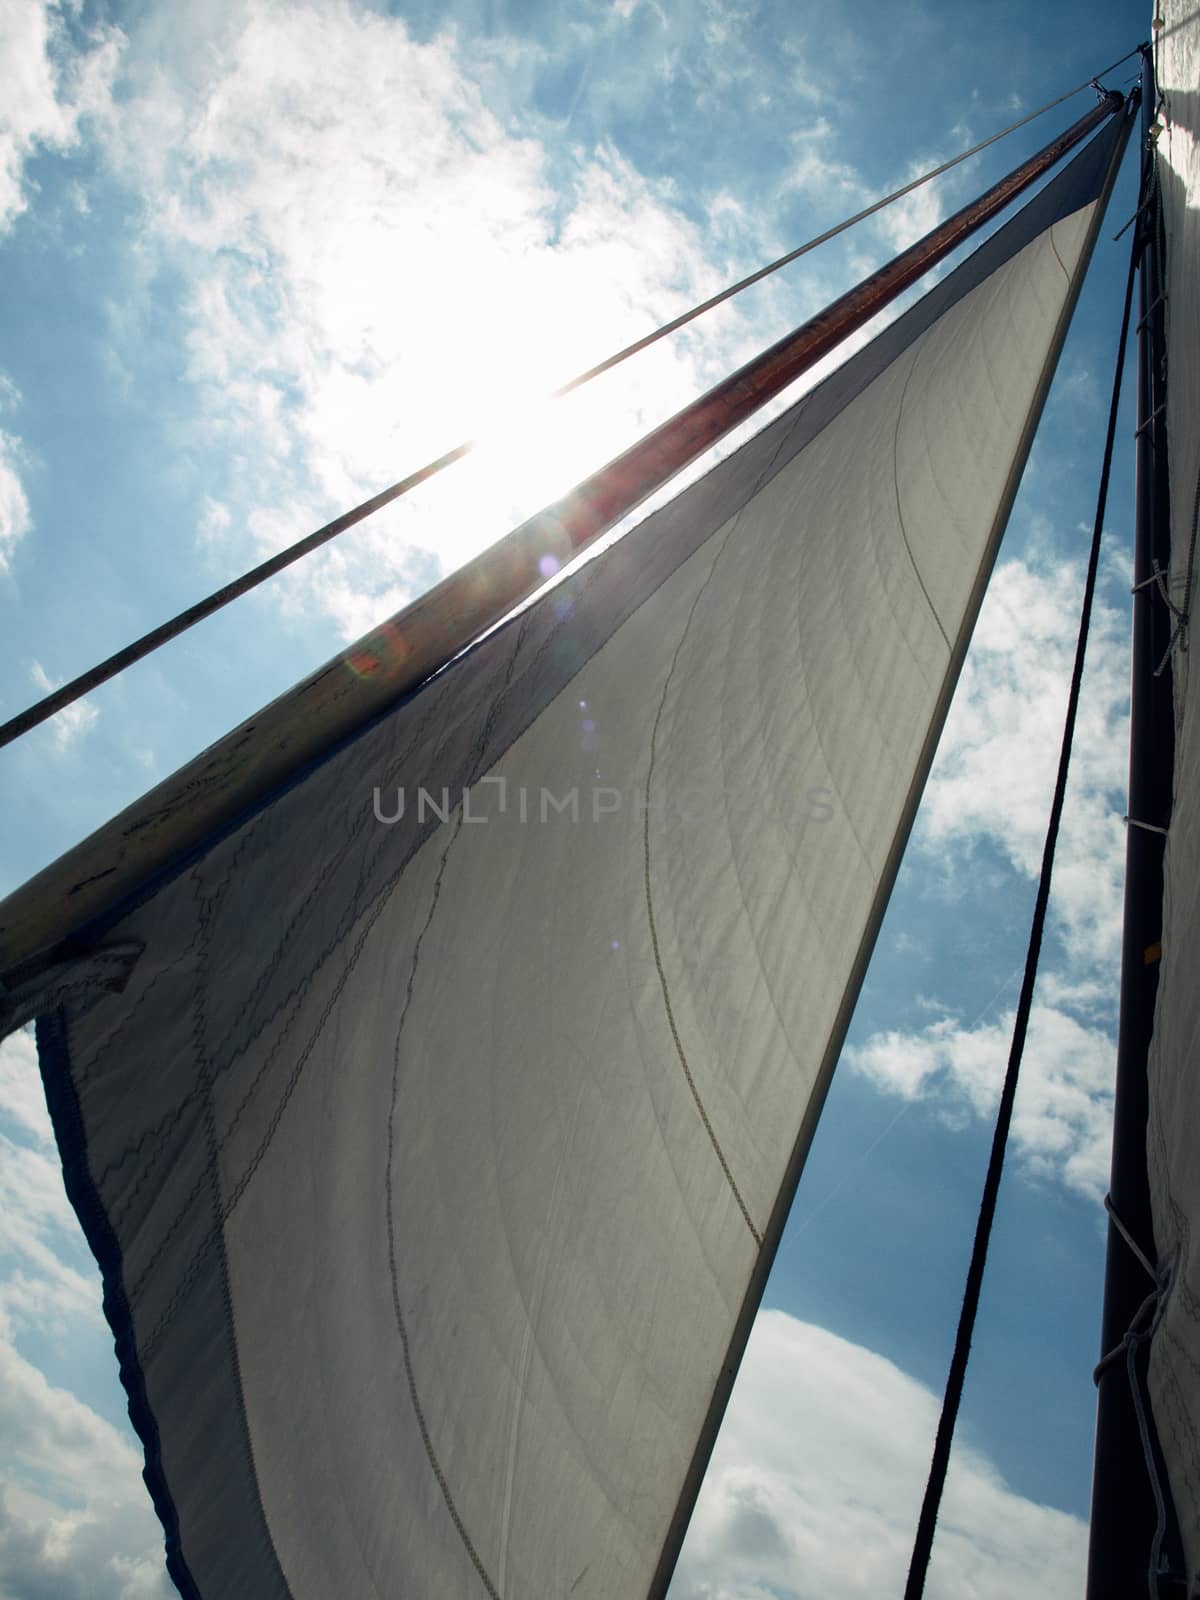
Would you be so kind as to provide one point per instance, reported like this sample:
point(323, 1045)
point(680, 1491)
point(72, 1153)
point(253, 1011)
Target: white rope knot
point(1147, 827)
point(1141, 1332)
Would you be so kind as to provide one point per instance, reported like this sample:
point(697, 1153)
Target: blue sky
point(259, 260)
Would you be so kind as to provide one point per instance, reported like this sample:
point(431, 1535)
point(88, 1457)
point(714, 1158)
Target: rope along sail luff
point(68, 693)
point(923, 1541)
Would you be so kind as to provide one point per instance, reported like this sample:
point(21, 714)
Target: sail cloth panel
point(1172, 1065)
point(432, 1164)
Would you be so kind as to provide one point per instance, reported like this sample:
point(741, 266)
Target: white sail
point(435, 1160)
point(1174, 1167)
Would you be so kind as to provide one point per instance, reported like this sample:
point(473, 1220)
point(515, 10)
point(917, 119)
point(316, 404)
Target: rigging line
point(830, 233)
point(56, 701)
point(1135, 1336)
point(796, 1228)
point(923, 1541)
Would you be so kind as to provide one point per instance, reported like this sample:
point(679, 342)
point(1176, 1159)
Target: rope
point(104, 670)
point(1147, 827)
point(1152, 189)
point(1119, 1224)
point(923, 1542)
point(1118, 1350)
point(1182, 614)
point(1135, 1336)
point(1132, 1342)
point(830, 233)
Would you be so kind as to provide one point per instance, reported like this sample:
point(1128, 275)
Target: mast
point(1124, 1515)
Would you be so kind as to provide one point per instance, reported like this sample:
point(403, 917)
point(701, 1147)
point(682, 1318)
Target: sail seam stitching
point(243, 1183)
point(908, 377)
point(284, 1013)
point(1057, 257)
point(372, 914)
point(654, 941)
point(435, 1465)
point(401, 1326)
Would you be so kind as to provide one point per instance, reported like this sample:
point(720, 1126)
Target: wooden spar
point(67, 693)
point(243, 769)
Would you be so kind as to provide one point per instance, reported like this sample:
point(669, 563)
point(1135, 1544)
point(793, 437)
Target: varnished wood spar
point(244, 768)
point(103, 671)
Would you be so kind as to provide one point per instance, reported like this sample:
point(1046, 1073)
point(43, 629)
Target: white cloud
point(996, 763)
point(21, 1098)
point(50, 86)
point(804, 84)
point(48, 1279)
point(992, 782)
point(817, 172)
point(721, 25)
point(212, 529)
point(14, 505)
point(377, 267)
point(75, 1519)
point(816, 1481)
point(73, 721)
point(914, 215)
point(1062, 1119)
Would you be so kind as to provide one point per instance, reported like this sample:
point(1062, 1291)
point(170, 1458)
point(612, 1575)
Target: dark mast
point(1124, 1514)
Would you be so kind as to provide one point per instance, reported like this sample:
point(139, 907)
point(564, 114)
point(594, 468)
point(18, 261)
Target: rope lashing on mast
point(939, 1465)
point(1159, 579)
point(1119, 1225)
point(1146, 827)
point(1183, 613)
point(58, 699)
point(1137, 1335)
